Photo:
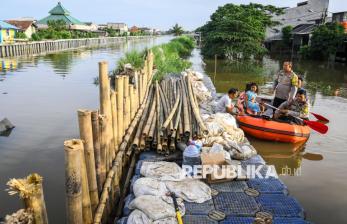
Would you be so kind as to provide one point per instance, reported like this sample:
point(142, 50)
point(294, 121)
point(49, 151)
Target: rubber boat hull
point(273, 130)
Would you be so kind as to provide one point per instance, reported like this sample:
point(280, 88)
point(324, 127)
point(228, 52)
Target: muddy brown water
point(40, 95)
point(316, 172)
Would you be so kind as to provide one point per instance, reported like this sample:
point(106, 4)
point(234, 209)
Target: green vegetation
point(237, 31)
point(287, 35)
point(176, 30)
point(59, 30)
point(135, 58)
point(21, 35)
point(324, 42)
point(168, 58)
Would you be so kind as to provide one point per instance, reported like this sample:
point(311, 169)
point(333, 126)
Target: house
point(7, 33)
point(134, 29)
point(146, 30)
point(60, 13)
point(340, 17)
point(119, 27)
point(308, 12)
point(27, 26)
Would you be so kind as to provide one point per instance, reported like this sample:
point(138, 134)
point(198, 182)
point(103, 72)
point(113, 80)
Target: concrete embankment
point(48, 46)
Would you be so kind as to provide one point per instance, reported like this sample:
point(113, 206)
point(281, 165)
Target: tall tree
point(237, 31)
point(177, 30)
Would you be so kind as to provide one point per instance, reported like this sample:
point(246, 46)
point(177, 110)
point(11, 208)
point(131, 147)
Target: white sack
point(162, 170)
point(149, 186)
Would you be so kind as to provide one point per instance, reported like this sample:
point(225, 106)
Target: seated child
point(251, 103)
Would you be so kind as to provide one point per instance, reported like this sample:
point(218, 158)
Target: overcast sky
point(160, 14)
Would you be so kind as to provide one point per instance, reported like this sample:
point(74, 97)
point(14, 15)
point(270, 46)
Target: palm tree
point(177, 30)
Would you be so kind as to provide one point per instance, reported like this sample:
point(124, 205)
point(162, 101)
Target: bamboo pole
point(172, 113)
point(126, 103)
point(96, 143)
point(30, 191)
point(114, 122)
point(120, 97)
point(132, 101)
point(73, 181)
point(86, 134)
point(105, 109)
point(103, 149)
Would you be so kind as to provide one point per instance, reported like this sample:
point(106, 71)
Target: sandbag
point(162, 170)
point(190, 190)
point(149, 186)
point(138, 217)
point(155, 207)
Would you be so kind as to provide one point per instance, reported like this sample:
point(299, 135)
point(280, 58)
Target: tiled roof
point(4, 25)
point(59, 10)
point(60, 13)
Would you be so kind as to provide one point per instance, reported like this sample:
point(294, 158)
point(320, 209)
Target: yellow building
point(7, 33)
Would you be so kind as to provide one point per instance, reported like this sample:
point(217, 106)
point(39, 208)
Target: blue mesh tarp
point(123, 220)
point(259, 171)
point(267, 186)
point(198, 219)
point(236, 204)
point(230, 186)
point(132, 181)
point(199, 208)
point(280, 205)
point(237, 220)
point(279, 220)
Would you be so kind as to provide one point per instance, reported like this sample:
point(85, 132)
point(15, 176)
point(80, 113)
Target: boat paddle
point(178, 213)
point(317, 126)
point(319, 117)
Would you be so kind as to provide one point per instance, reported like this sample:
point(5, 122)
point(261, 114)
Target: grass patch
point(168, 58)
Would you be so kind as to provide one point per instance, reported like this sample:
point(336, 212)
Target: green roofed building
point(59, 13)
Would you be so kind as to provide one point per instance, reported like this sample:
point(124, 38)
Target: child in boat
point(297, 108)
point(252, 105)
point(242, 100)
point(225, 104)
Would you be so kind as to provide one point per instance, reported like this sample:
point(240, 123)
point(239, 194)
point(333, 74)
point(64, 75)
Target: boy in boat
point(225, 104)
point(298, 107)
point(285, 85)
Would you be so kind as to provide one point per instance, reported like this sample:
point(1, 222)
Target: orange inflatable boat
point(273, 130)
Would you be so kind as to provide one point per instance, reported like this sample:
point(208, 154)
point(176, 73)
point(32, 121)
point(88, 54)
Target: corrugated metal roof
point(304, 29)
point(4, 25)
point(304, 14)
point(22, 25)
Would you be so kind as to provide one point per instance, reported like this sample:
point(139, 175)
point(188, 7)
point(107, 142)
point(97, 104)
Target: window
point(8, 32)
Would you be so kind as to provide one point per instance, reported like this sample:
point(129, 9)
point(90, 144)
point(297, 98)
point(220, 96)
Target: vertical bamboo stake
point(86, 134)
point(31, 192)
point(86, 205)
point(73, 180)
point(114, 121)
point(105, 107)
point(132, 101)
point(103, 149)
point(120, 98)
point(126, 103)
point(140, 78)
point(96, 142)
point(136, 91)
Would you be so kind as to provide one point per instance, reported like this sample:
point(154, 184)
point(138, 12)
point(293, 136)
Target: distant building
point(307, 12)
point(25, 25)
point(7, 33)
point(118, 27)
point(60, 13)
point(339, 17)
point(134, 29)
point(146, 30)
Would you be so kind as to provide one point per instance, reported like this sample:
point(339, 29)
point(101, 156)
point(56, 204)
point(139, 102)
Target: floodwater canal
point(315, 172)
point(40, 95)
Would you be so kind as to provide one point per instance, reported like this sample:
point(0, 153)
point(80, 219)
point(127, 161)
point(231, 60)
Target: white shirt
point(223, 103)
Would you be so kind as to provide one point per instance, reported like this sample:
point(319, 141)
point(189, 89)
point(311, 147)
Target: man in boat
point(285, 85)
point(299, 107)
point(225, 104)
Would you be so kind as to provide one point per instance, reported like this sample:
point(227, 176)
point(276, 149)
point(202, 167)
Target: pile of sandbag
point(152, 203)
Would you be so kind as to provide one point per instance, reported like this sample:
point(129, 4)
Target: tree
point(177, 30)
point(57, 25)
point(324, 42)
point(237, 31)
point(287, 35)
